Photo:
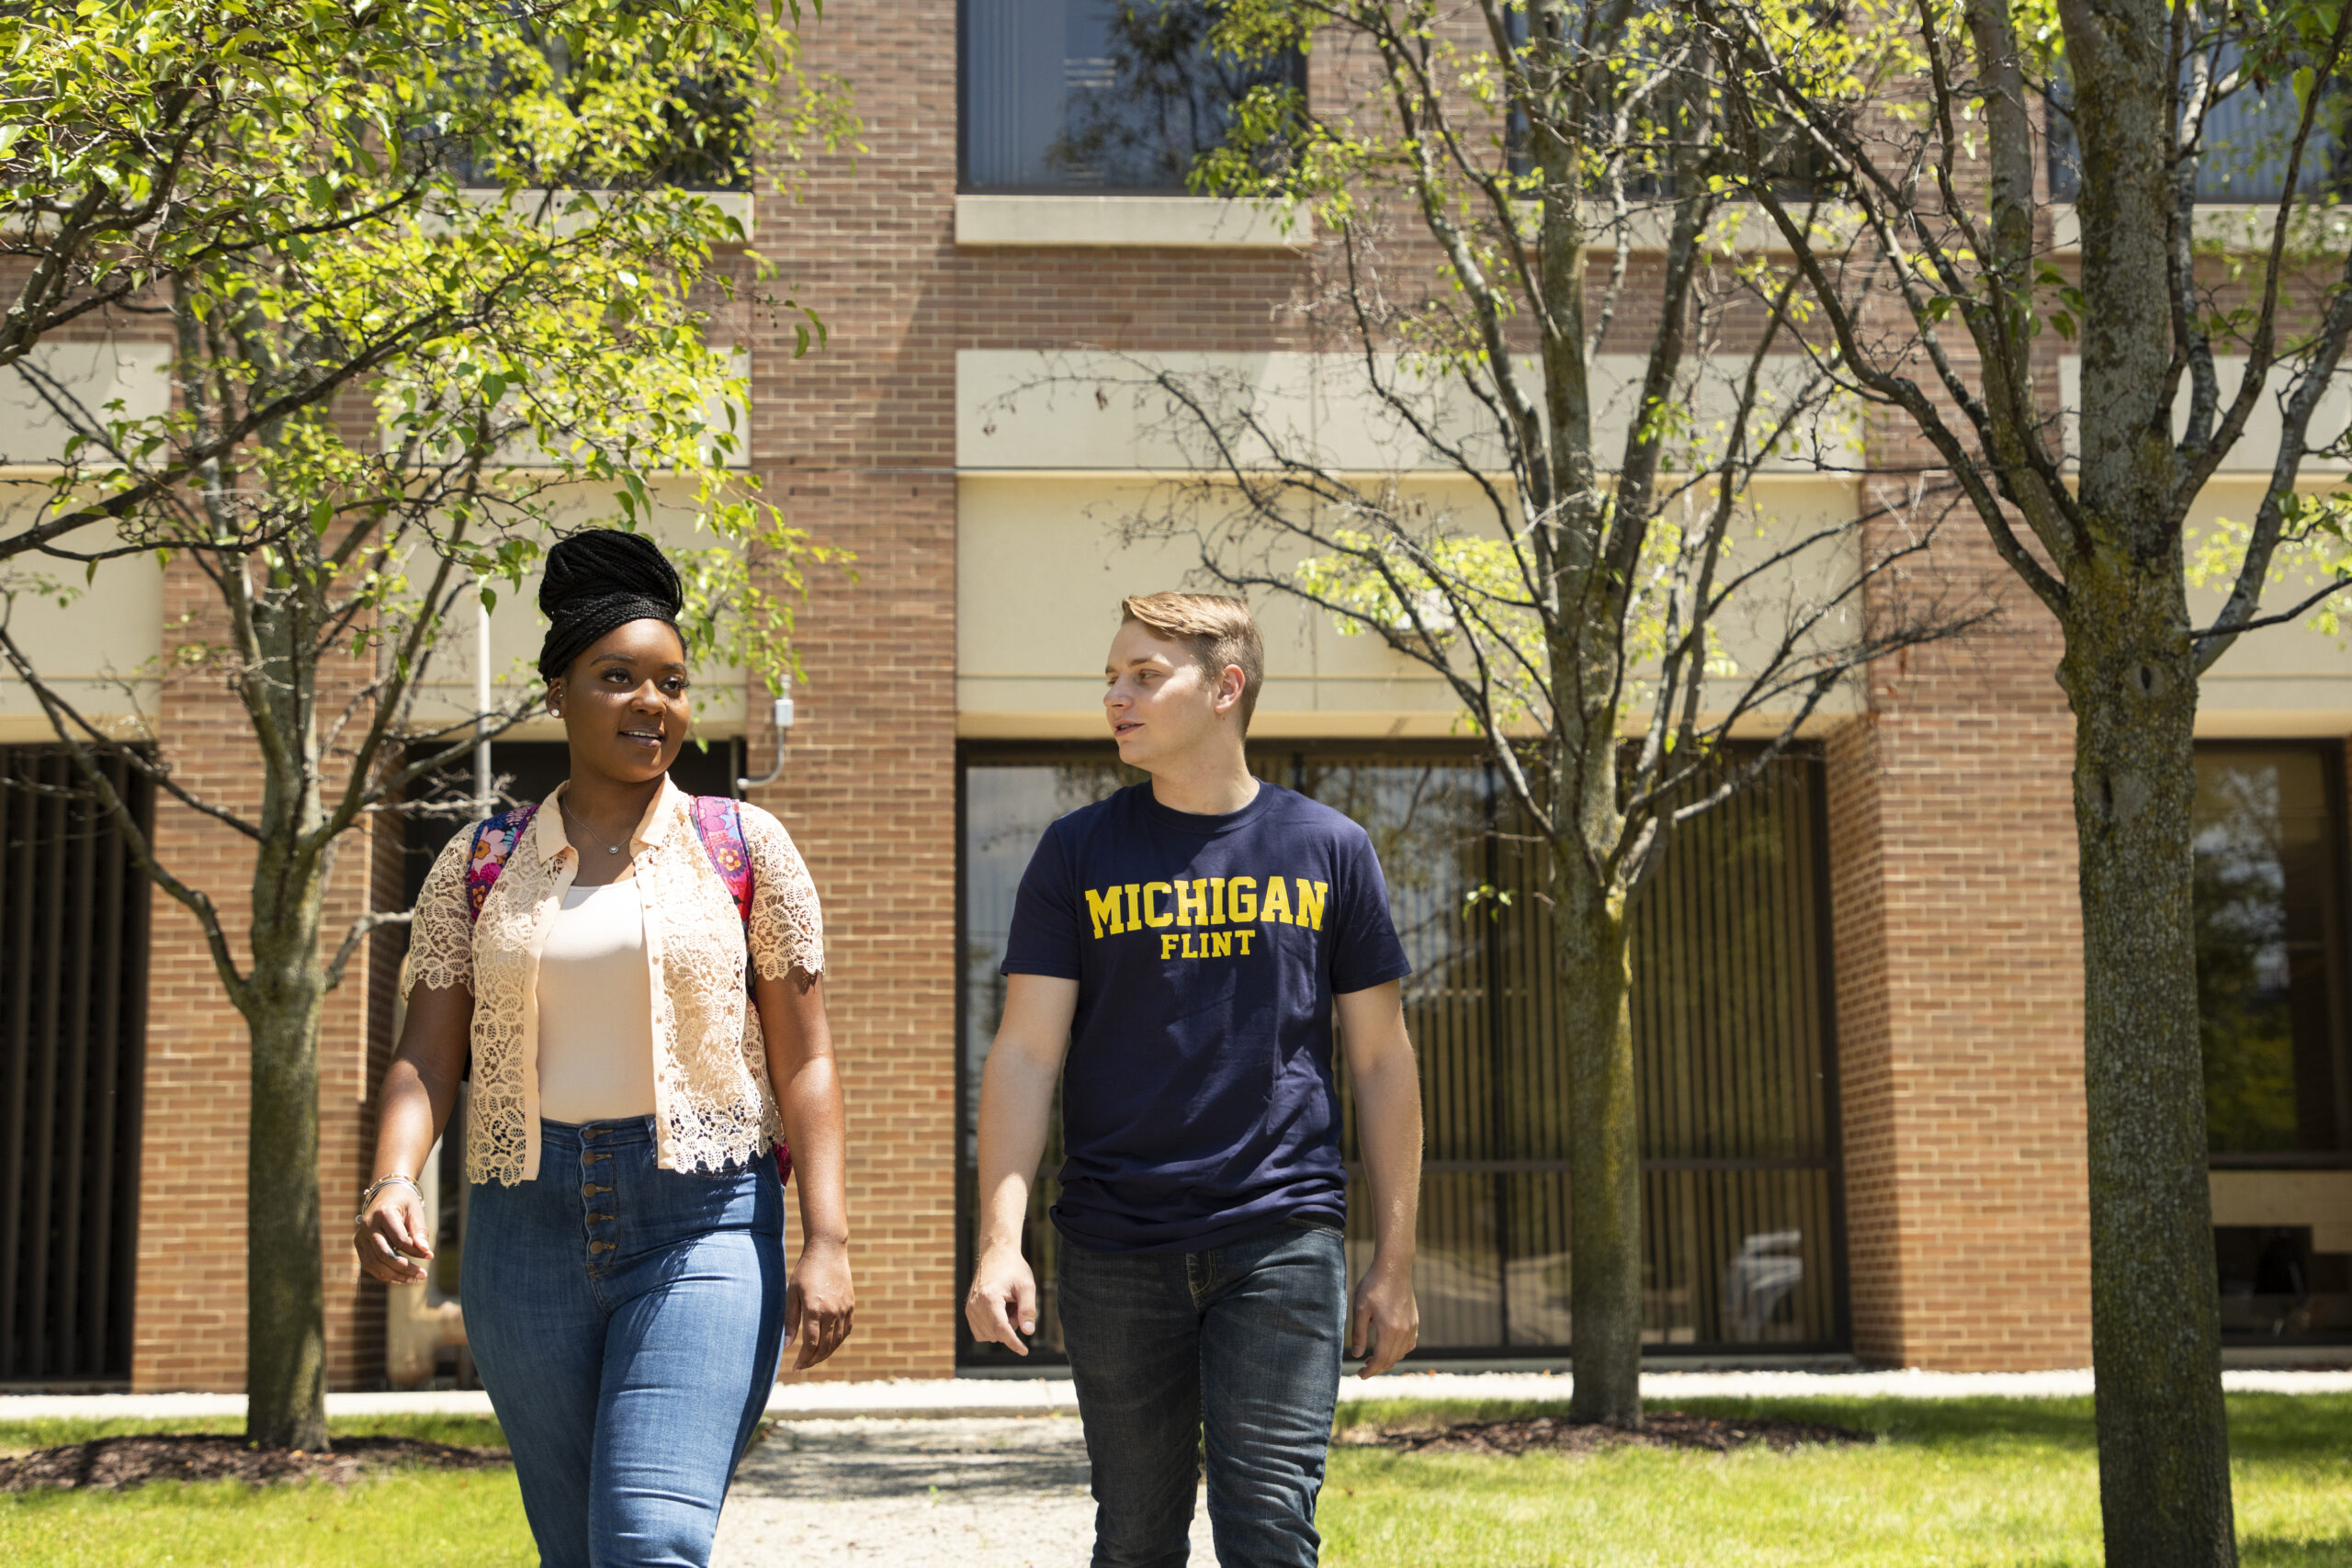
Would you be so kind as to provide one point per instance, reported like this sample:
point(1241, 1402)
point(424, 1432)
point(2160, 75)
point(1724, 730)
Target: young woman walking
point(623, 1275)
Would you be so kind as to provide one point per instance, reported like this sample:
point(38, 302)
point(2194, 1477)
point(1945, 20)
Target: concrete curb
point(940, 1398)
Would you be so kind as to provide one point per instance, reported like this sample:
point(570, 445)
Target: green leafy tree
point(1941, 169)
point(423, 284)
point(1575, 547)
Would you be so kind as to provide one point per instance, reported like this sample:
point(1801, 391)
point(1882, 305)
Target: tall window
point(1093, 95)
point(1739, 1171)
point(2243, 156)
point(698, 129)
point(73, 1051)
point(2269, 908)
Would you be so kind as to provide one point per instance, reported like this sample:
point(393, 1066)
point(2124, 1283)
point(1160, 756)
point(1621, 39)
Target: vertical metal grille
point(1731, 1038)
point(72, 1005)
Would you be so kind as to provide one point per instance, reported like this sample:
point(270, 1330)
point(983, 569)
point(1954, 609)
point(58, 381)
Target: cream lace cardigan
point(712, 1100)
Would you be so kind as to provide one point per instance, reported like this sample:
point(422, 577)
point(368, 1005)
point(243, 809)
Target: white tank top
point(595, 996)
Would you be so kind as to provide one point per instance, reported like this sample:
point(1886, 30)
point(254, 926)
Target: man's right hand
point(1003, 1306)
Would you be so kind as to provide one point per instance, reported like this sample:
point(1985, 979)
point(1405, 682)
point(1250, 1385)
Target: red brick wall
point(857, 441)
point(189, 1326)
point(1958, 967)
point(1959, 979)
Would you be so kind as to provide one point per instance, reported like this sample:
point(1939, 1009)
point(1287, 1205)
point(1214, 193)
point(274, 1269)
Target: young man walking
point(1176, 956)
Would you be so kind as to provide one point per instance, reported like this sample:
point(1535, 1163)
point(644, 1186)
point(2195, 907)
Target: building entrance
point(1742, 1216)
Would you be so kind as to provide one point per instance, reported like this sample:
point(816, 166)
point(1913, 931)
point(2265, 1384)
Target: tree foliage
point(421, 287)
point(2191, 329)
point(1543, 489)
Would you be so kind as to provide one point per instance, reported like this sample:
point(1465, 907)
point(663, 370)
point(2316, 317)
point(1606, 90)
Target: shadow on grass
point(2060, 1423)
point(2262, 1426)
point(2270, 1551)
point(465, 1432)
point(2290, 1426)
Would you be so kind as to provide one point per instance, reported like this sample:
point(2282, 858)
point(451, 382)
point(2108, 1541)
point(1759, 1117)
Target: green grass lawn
point(1955, 1483)
point(412, 1519)
point(2009, 1482)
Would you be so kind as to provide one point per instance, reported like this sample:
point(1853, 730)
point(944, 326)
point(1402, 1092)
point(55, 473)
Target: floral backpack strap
point(494, 839)
point(718, 823)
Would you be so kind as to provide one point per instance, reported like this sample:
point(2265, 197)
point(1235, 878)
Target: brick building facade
point(955, 662)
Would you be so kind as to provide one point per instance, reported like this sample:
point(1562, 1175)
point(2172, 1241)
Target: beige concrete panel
point(2279, 682)
point(516, 630)
point(1017, 409)
point(2230, 226)
point(571, 211)
point(95, 637)
point(2257, 449)
point(89, 374)
point(2320, 1198)
point(1041, 571)
point(1042, 568)
point(1067, 410)
point(1091, 221)
point(1804, 519)
point(525, 452)
point(1811, 439)
point(1266, 725)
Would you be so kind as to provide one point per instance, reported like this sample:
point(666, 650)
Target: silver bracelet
point(378, 1186)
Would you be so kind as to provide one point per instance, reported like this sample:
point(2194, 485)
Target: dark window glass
point(2269, 887)
point(1095, 95)
point(2244, 156)
point(2249, 137)
point(1739, 1187)
point(74, 974)
point(700, 133)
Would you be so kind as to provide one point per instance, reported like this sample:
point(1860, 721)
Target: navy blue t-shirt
point(1198, 1104)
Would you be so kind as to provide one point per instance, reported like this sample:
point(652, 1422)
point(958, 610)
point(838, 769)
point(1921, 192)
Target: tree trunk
point(2155, 1311)
point(285, 1293)
point(1604, 1156)
point(285, 1296)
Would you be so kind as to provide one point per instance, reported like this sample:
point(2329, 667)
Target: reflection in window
point(2248, 136)
point(1095, 95)
point(2268, 879)
point(698, 129)
point(2270, 875)
point(1738, 1143)
point(1007, 808)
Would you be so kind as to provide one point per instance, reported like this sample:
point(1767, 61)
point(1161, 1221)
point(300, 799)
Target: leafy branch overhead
point(2256, 325)
point(2157, 185)
point(1557, 510)
point(1531, 446)
point(350, 307)
point(340, 310)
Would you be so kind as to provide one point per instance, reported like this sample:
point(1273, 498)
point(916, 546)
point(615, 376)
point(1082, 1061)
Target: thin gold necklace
point(594, 837)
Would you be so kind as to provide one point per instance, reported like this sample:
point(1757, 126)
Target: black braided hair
point(599, 579)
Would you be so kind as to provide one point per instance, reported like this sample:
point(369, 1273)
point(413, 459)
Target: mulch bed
point(1660, 1429)
point(108, 1463)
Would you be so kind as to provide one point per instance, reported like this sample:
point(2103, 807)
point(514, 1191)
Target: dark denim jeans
point(1234, 1350)
point(627, 1322)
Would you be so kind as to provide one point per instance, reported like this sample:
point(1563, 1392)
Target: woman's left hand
point(820, 1303)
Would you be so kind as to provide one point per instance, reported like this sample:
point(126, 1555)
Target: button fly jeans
point(627, 1322)
point(1234, 1350)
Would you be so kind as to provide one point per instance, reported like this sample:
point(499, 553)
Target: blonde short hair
point(1217, 629)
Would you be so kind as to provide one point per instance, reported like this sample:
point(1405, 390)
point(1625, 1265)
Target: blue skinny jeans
point(627, 1322)
point(1234, 1351)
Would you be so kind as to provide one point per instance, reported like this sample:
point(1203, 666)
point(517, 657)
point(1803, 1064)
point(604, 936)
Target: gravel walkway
point(953, 1493)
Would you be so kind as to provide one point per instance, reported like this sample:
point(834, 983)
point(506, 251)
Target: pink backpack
point(718, 823)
